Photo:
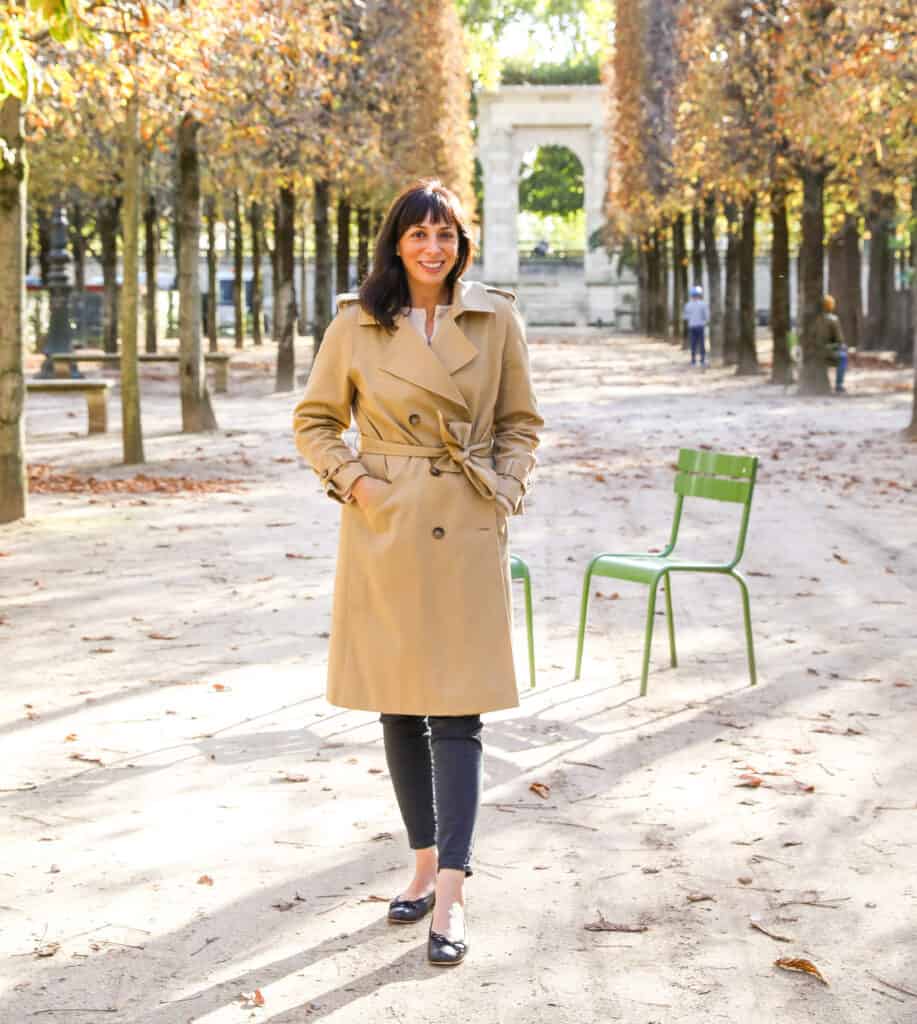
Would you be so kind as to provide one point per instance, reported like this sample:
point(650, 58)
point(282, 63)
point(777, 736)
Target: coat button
point(439, 532)
point(435, 471)
point(414, 419)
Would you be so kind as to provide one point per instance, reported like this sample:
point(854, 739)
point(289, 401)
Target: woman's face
point(428, 252)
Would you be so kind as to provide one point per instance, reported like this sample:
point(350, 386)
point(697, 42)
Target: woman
point(435, 371)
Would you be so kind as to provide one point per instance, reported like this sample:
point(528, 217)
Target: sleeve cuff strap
point(511, 489)
point(339, 483)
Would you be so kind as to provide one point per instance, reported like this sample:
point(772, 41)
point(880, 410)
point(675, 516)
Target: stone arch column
point(501, 207)
point(595, 178)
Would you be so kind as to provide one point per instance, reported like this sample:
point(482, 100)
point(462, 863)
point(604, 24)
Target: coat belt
point(456, 454)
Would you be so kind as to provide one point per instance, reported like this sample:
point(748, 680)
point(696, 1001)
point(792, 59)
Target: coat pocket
point(378, 513)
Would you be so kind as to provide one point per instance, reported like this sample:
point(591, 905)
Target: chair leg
point(527, 583)
point(749, 639)
point(670, 619)
point(648, 636)
point(581, 636)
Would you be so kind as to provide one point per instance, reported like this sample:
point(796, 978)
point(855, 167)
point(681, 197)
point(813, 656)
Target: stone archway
point(513, 120)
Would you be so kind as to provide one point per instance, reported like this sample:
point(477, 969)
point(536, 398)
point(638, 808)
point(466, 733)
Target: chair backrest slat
point(707, 474)
point(716, 463)
point(689, 485)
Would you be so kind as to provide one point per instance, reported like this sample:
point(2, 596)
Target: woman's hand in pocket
point(368, 492)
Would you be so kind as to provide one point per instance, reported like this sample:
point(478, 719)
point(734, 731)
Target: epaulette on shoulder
point(501, 291)
point(346, 299)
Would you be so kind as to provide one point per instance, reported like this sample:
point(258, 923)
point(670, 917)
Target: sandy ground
point(179, 639)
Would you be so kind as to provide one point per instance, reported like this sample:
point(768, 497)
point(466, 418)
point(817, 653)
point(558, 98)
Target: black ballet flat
point(443, 952)
point(409, 911)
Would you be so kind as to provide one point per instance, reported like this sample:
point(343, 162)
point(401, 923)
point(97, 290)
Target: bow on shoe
point(456, 437)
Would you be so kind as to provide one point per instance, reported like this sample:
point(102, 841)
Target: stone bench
point(96, 392)
point(218, 360)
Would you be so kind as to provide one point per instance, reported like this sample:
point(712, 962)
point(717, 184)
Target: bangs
point(424, 203)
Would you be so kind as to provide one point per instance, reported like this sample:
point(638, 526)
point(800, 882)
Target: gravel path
point(186, 821)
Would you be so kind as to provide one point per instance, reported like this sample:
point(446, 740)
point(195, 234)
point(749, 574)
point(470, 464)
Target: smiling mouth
point(433, 267)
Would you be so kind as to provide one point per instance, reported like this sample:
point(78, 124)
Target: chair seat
point(645, 568)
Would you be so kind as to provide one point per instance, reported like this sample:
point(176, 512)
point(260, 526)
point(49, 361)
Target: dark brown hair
point(385, 291)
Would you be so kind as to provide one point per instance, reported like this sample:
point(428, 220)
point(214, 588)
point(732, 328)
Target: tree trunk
point(196, 410)
point(912, 429)
point(13, 479)
point(256, 227)
point(731, 302)
point(238, 272)
point(43, 224)
point(342, 256)
point(643, 283)
point(363, 215)
point(697, 248)
point(662, 307)
point(151, 257)
point(880, 222)
point(714, 285)
point(652, 283)
point(748, 350)
point(780, 287)
point(680, 277)
point(131, 428)
point(814, 377)
point(78, 296)
point(107, 217)
point(844, 279)
point(322, 299)
point(213, 296)
point(275, 282)
point(302, 307)
point(284, 246)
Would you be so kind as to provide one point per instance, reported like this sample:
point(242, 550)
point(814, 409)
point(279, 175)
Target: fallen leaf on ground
point(541, 789)
point(48, 949)
point(290, 554)
point(96, 639)
point(283, 905)
point(700, 897)
point(289, 777)
point(70, 737)
point(219, 687)
point(744, 880)
point(86, 758)
point(250, 999)
point(806, 966)
point(380, 837)
point(43, 480)
point(374, 899)
point(161, 636)
point(756, 922)
point(843, 561)
point(749, 781)
point(205, 880)
point(602, 924)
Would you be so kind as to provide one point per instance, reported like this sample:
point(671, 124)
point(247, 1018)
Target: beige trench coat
point(422, 614)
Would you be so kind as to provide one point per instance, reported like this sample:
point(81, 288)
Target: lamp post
point(60, 337)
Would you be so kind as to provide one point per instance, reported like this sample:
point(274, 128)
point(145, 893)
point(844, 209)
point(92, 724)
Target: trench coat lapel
point(410, 358)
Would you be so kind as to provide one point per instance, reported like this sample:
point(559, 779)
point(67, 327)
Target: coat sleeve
point(324, 413)
point(516, 418)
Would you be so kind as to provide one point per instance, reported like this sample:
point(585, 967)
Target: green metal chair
point(700, 475)
point(520, 571)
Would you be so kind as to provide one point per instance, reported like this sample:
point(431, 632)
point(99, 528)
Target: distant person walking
point(697, 316)
point(829, 342)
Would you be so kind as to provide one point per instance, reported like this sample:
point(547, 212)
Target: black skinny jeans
point(435, 765)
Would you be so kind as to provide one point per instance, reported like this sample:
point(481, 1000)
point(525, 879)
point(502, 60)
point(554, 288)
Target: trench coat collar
point(411, 359)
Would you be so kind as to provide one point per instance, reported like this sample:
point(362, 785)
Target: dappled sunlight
point(186, 665)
